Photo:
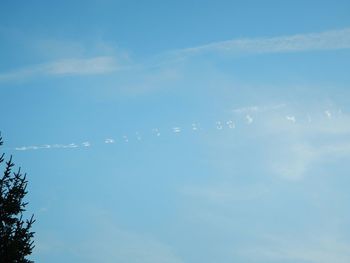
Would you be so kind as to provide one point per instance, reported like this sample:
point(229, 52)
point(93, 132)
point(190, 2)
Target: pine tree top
point(15, 232)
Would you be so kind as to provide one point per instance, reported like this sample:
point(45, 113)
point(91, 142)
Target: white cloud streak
point(73, 66)
point(327, 40)
point(53, 146)
point(273, 123)
point(257, 109)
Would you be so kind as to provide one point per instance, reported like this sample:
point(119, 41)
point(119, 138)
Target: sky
point(180, 131)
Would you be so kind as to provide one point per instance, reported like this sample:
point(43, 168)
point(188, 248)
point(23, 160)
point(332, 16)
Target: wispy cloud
point(73, 66)
point(53, 146)
point(327, 40)
point(256, 109)
point(302, 148)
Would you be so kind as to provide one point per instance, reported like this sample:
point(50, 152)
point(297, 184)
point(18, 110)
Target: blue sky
point(183, 131)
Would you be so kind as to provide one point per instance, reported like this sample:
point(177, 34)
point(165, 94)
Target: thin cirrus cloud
point(73, 66)
point(327, 40)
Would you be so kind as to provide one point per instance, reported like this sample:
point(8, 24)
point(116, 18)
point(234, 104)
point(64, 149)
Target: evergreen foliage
point(15, 233)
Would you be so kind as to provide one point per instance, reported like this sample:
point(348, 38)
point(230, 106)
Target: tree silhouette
point(15, 232)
